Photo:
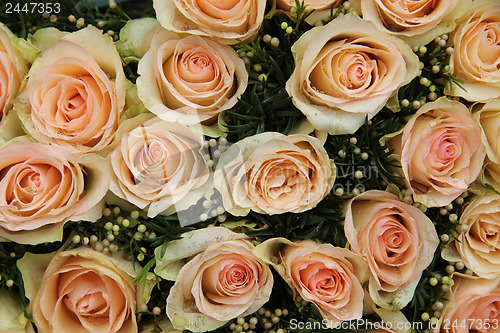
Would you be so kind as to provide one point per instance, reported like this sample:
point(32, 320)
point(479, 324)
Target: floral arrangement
point(250, 166)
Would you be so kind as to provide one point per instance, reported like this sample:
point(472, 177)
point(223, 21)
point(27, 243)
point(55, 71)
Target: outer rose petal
point(476, 59)
point(374, 65)
point(43, 187)
point(273, 173)
point(82, 275)
point(377, 222)
point(76, 96)
point(11, 313)
point(189, 80)
point(441, 152)
point(225, 22)
point(158, 166)
point(417, 23)
point(202, 297)
point(192, 243)
point(306, 264)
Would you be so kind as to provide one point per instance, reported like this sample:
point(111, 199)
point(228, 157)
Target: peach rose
point(82, 290)
point(476, 307)
point(76, 96)
point(476, 60)
point(158, 166)
point(217, 278)
point(441, 152)
point(13, 68)
point(486, 115)
point(346, 71)
point(416, 22)
point(396, 239)
point(225, 21)
point(330, 277)
point(479, 245)
point(44, 186)
point(190, 79)
point(272, 173)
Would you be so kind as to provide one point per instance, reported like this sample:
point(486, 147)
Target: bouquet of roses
point(250, 166)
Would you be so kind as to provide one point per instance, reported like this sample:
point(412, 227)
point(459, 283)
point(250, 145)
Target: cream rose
point(476, 307)
point(82, 290)
point(476, 60)
point(76, 95)
point(225, 21)
point(346, 71)
point(13, 68)
point(441, 152)
point(217, 278)
point(191, 79)
point(44, 186)
point(416, 22)
point(479, 245)
point(328, 276)
point(396, 239)
point(158, 166)
point(272, 173)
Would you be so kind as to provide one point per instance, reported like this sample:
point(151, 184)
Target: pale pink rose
point(346, 71)
point(13, 68)
point(273, 173)
point(398, 241)
point(476, 60)
point(416, 22)
point(217, 278)
point(475, 308)
point(76, 96)
point(190, 79)
point(225, 21)
point(44, 186)
point(479, 245)
point(83, 290)
point(158, 166)
point(330, 277)
point(441, 152)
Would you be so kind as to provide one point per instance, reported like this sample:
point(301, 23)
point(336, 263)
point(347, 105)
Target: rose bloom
point(217, 278)
point(398, 241)
point(225, 21)
point(476, 60)
point(476, 307)
point(44, 186)
point(82, 290)
point(330, 277)
point(487, 116)
point(441, 152)
point(190, 79)
point(77, 95)
point(158, 166)
point(346, 71)
point(272, 173)
point(479, 245)
point(416, 22)
point(13, 68)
